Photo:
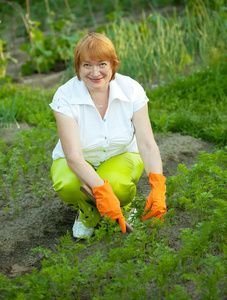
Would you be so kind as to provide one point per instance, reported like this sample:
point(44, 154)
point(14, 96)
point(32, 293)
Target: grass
point(163, 48)
point(22, 104)
point(195, 105)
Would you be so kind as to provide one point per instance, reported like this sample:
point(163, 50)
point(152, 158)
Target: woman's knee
point(122, 171)
point(124, 190)
point(65, 182)
point(126, 166)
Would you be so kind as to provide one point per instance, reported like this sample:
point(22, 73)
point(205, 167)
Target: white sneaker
point(80, 231)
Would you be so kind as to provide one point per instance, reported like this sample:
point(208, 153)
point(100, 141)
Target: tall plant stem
point(28, 9)
point(47, 7)
point(91, 13)
point(70, 14)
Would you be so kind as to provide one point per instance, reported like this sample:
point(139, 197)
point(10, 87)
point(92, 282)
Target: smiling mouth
point(96, 80)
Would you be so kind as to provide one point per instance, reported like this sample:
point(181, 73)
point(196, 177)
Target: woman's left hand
point(156, 199)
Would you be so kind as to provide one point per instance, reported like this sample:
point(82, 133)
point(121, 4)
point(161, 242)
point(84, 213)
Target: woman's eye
point(86, 65)
point(103, 64)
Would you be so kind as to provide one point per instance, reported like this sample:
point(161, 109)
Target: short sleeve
point(61, 103)
point(140, 98)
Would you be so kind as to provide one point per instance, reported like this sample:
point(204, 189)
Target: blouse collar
point(82, 95)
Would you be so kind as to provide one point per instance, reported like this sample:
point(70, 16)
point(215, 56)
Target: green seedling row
point(144, 264)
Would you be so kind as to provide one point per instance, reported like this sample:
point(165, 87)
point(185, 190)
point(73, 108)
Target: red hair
point(95, 46)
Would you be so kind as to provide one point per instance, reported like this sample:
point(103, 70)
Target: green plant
point(139, 265)
point(202, 188)
point(24, 105)
point(24, 163)
point(8, 111)
point(194, 105)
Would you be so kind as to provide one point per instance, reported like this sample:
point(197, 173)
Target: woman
point(105, 139)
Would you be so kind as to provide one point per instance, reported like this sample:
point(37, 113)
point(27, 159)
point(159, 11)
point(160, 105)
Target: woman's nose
point(95, 70)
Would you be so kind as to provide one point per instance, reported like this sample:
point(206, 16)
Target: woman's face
point(96, 74)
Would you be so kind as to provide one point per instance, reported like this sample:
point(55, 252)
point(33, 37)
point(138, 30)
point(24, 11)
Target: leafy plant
point(202, 188)
point(47, 50)
point(25, 164)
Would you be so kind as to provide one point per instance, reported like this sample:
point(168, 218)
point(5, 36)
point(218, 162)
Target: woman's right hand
point(108, 204)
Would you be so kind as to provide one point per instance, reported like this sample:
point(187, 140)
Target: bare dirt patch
point(43, 224)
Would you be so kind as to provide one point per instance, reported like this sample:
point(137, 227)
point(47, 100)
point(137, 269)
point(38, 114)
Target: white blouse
point(107, 137)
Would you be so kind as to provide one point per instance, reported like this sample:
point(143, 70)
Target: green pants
point(122, 171)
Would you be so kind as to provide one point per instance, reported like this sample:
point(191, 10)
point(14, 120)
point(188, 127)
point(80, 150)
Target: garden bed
point(42, 223)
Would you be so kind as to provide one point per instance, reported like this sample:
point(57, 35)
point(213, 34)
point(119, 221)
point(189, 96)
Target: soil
point(45, 224)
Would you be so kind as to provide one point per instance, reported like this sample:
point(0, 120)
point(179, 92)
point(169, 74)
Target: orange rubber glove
point(156, 199)
point(108, 204)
